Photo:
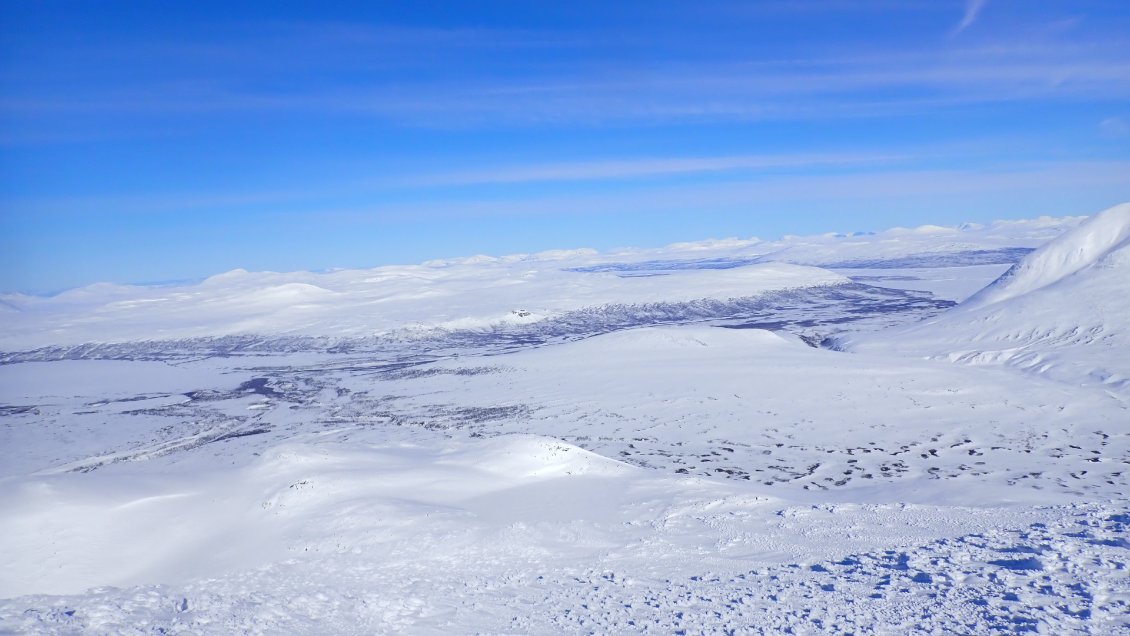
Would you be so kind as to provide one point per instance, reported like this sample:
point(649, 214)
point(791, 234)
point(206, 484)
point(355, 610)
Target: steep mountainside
point(1063, 311)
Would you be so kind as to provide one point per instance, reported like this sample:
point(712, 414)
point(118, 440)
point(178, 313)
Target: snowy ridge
point(1101, 237)
point(261, 513)
point(1062, 312)
point(813, 312)
point(482, 292)
point(366, 303)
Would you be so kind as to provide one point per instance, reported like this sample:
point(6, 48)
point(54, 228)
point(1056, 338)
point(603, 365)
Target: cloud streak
point(972, 12)
point(857, 86)
point(648, 167)
point(1019, 191)
point(880, 178)
point(422, 185)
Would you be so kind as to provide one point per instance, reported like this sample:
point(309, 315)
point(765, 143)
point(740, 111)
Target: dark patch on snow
point(1002, 256)
point(258, 386)
point(1020, 565)
point(964, 258)
point(814, 312)
point(236, 434)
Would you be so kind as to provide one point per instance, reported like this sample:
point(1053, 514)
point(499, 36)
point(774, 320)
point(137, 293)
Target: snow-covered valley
point(814, 435)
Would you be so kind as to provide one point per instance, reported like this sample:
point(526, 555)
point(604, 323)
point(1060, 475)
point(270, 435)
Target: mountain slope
point(1098, 239)
point(483, 292)
point(359, 303)
point(1063, 312)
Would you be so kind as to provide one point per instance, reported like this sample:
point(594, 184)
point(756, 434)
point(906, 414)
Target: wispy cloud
point(878, 177)
point(972, 12)
point(421, 185)
point(1050, 181)
point(648, 167)
point(1115, 127)
point(856, 85)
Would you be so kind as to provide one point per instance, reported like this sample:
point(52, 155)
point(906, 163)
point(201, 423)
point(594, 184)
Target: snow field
point(585, 451)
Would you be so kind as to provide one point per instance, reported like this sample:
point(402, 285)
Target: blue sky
point(144, 142)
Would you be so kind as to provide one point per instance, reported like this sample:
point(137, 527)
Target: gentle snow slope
point(752, 406)
point(170, 527)
point(776, 486)
point(1063, 311)
point(485, 292)
point(667, 479)
point(358, 303)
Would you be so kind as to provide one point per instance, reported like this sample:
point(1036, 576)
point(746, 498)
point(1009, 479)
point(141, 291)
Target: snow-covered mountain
point(639, 441)
point(1101, 241)
point(1063, 312)
point(369, 303)
point(512, 292)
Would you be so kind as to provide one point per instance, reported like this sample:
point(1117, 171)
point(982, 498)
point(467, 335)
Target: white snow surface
point(483, 291)
point(664, 478)
point(1102, 241)
point(1063, 312)
point(370, 302)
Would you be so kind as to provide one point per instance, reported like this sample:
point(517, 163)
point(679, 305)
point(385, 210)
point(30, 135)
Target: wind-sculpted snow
point(1099, 240)
point(1062, 312)
point(1061, 572)
point(643, 441)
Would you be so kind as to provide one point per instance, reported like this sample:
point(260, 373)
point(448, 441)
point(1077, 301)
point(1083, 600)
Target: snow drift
point(294, 499)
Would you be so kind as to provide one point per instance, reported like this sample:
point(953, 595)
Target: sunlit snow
point(811, 434)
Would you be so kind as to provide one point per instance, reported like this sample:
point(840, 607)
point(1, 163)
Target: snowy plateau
point(914, 431)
